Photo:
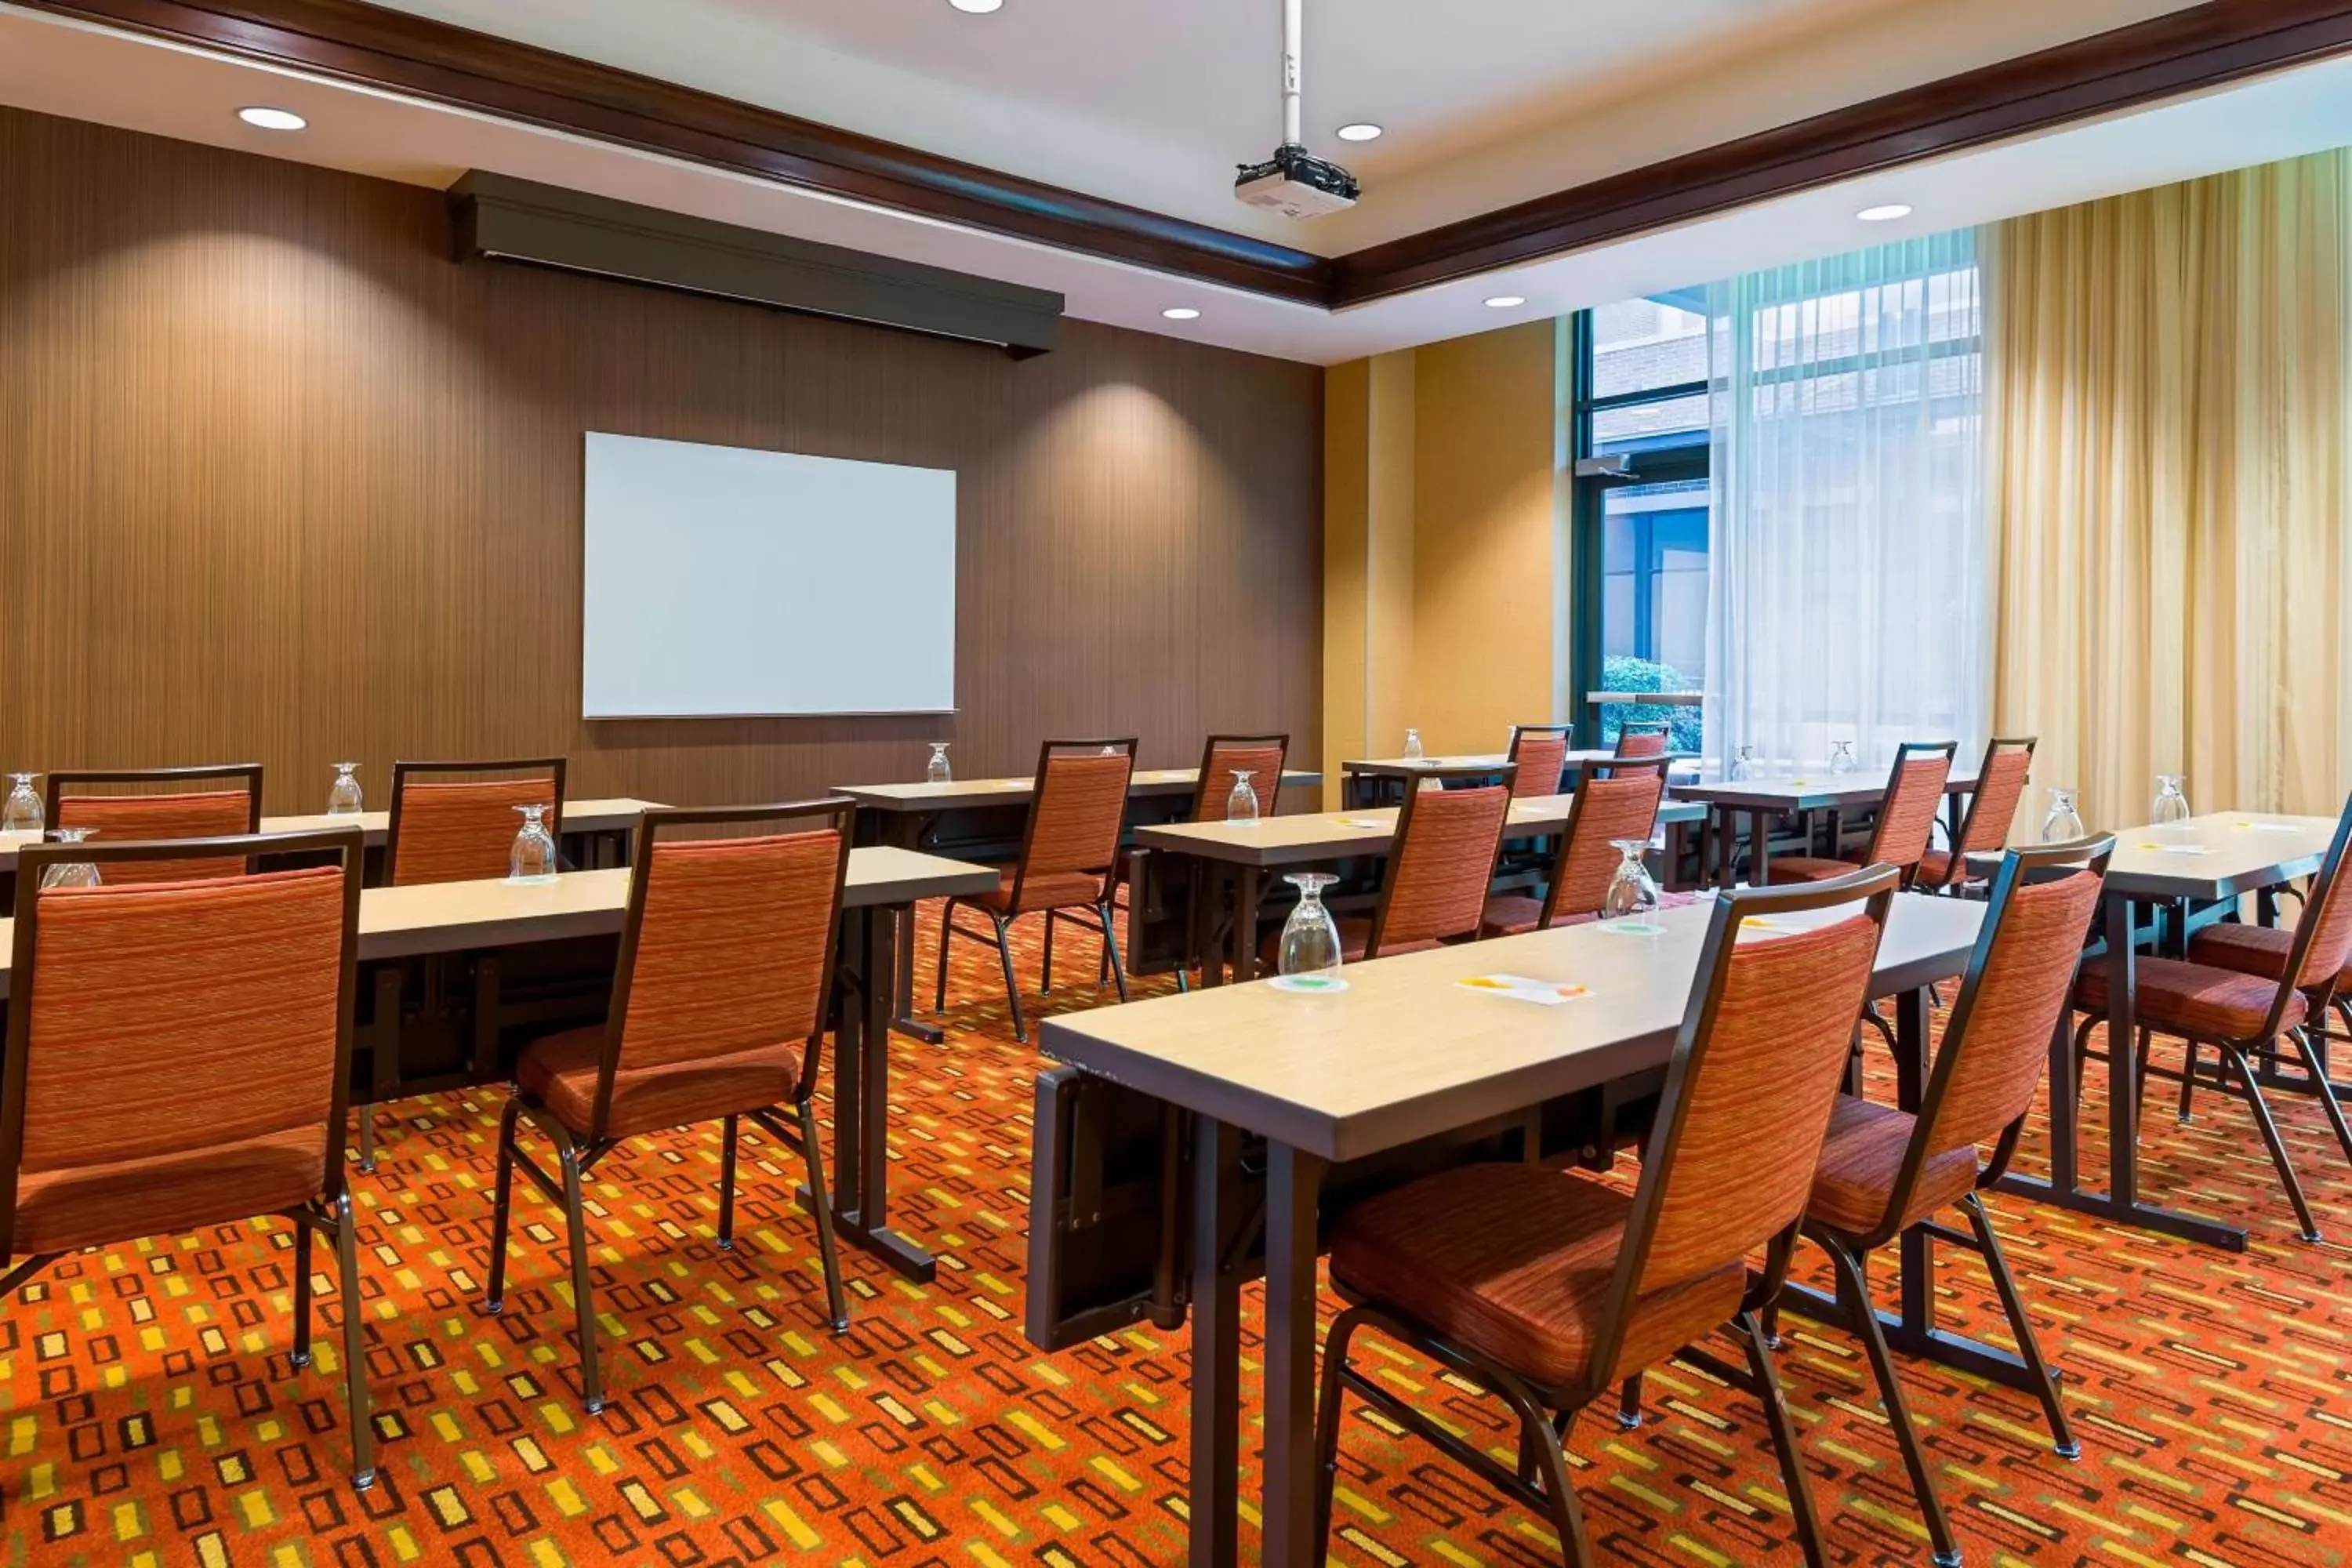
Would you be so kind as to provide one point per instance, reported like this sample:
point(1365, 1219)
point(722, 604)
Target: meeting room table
point(1765, 801)
point(2185, 874)
point(441, 919)
point(1381, 781)
point(1251, 856)
point(982, 819)
point(1330, 1077)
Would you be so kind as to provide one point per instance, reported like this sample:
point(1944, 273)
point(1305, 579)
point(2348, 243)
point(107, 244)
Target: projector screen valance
point(724, 581)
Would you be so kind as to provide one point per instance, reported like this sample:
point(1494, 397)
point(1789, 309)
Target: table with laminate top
point(1406, 1053)
point(1766, 801)
point(1370, 780)
point(2198, 868)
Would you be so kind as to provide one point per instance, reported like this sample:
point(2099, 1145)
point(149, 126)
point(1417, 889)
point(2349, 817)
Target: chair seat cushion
point(1515, 1262)
point(1809, 868)
point(158, 1194)
point(1862, 1157)
point(2198, 999)
point(2253, 950)
point(1934, 867)
point(560, 1072)
point(1509, 914)
point(1057, 890)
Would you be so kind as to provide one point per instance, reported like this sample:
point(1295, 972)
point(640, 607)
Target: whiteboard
point(724, 581)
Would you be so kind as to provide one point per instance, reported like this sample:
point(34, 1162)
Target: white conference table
point(1362, 778)
point(483, 916)
point(585, 817)
point(1331, 1078)
point(1766, 800)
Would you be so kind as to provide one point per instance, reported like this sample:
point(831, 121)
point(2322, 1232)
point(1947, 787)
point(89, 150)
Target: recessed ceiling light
point(1887, 214)
point(1363, 130)
point(977, 8)
point(1181, 313)
point(1505, 301)
point(267, 118)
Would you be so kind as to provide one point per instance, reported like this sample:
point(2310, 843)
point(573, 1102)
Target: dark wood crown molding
point(2166, 57)
point(2181, 52)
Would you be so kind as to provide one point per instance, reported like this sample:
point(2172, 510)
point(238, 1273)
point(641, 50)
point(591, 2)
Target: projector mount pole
point(1294, 25)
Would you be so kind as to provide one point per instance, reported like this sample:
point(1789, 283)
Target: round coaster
point(1632, 928)
point(1307, 985)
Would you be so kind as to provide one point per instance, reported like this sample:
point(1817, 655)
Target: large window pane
point(1641, 344)
point(1654, 597)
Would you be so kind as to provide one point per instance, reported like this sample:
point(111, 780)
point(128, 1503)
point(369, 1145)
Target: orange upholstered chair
point(1441, 867)
point(461, 830)
point(178, 1059)
point(719, 1011)
point(1069, 862)
point(2244, 1011)
point(1906, 819)
point(1883, 1171)
point(1992, 806)
point(1263, 755)
point(1547, 1287)
point(138, 806)
point(1541, 752)
point(1619, 802)
point(1643, 740)
point(2267, 950)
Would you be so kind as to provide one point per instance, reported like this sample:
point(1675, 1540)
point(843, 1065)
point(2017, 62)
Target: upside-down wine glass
point(2063, 824)
point(1241, 806)
point(1412, 746)
point(21, 813)
point(1841, 756)
point(2172, 806)
point(70, 873)
point(532, 859)
point(344, 798)
point(1631, 895)
point(936, 771)
point(1743, 764)
point(1310, 938)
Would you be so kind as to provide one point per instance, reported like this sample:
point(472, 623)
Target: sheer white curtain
point(1848, 590)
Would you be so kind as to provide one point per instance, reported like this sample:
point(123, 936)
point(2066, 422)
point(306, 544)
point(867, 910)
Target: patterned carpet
point(152, 1417)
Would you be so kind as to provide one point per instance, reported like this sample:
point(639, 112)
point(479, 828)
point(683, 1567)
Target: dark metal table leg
point(1294, 1181)
point(1215, 1487)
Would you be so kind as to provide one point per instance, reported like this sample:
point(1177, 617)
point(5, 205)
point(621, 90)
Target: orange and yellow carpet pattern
point(151, 1416)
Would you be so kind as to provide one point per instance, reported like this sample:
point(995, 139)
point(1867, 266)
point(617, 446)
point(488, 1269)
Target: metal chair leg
point(1110, 950)
point(1784, 1440)
point(1568, 1514)
point(947, 931)
point(355, 1388)
point(1946, 1548)
point(2020, 1327)
point(1046, 959)
point(2237, 1060)
point(367, 1139)
point(583, 1304)
point(1629, 1404)
point(2195, 1054)
point(836, 1299)
point(727, 1183)
point(300, 1358)
point(501, 1205)
point(1012, 986)
point(1327, 1428)
point(2316, 1064)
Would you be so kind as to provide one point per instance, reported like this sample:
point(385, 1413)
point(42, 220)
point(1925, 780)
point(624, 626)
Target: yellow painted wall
point(1444, 570)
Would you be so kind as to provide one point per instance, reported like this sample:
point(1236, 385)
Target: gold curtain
point(2168, 420)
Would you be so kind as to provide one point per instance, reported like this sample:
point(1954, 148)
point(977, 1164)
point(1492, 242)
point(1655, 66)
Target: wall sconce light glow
point(1887, 214)
point(1181, 313)
point(1362, 131)
point(978, 7)
point(1505, 301)
point(262, 117)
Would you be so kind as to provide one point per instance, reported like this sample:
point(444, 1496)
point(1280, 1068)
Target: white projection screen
point(726, 582)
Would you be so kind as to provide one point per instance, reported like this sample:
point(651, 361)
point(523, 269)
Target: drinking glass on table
point(1743, 764)
point(21, 813)
point(2063, 824)
point(1241, 806)
point(2171, 806)
point(1310, 939)
point(1413, 753)
point(343, 799)
point(1631, 894)
point(532, 859)
point(70, 873)
point(936, 771)
point(1842, 757)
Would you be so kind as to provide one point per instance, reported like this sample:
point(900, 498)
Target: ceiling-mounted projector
point(1294, 181)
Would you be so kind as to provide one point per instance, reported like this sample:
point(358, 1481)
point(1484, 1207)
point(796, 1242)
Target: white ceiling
point(87, 73)
point(1154, 101)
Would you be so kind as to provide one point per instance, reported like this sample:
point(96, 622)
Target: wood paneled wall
point(281, 482)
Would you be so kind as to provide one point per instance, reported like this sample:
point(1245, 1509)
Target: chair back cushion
point(1641, 743)
point(1607, 809)
point(462, 832)
point(1265, 765)
point(138, 818)
point(2000, 784)
point(175, 1016)
point(1757, 1086)
point(1542, 756)
point(731, 948)
point(2329, 916)
point(2008, 1012)
point(1906, 820)
point(1439, 874)
point(1074, 826)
